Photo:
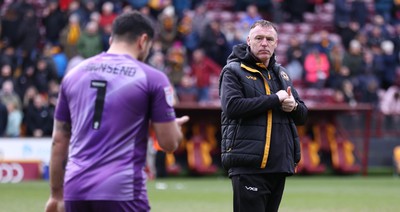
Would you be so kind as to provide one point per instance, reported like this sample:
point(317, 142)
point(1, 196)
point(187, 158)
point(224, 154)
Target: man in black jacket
point(260, 111)
point(3, 118)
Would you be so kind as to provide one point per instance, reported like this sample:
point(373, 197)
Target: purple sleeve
point(162, 99)
point(62, 110)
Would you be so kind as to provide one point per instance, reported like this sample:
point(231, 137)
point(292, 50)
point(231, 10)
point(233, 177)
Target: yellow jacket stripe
point(269, 118)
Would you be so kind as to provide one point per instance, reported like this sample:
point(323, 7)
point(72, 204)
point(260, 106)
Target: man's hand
point(289, 103)
point(282, 95)
point(182, 120)
point(55, 205)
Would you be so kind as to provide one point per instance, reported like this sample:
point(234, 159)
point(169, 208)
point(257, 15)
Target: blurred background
point(342, 55)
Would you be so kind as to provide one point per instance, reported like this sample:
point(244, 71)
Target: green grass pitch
point(214, 194)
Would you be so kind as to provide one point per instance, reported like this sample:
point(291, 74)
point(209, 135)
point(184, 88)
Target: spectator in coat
point(214, 43)
point(181, 6)
point(384, 8)
point(9, 22)
point(107, 14)
point(375, 37)
point(200, 19)
point(44, 72)
point(359, 12)
point(390, 101)
point(176, 63)
point(190, 38)
point(6, 74)
point(316, 67)
point(349, 33)
point(353, 59)
point(25, 80)
point(54, 20)
point(3, 118)
point(29, 95)
point(38, 118)
point(396, 39)
point(105, 37)
point(168, 28)
point(348, 91)
point(157, 60)
point(14, 120)
point(203, 68)
point(28, 36)
point(90, 7)
point(11, 100)
point(60, 60)
point(69, 36)
point(396, 12)
point(295, 9)
point(78, 9)
point(367, 90)
point(9, 96)
point(342, 15)
point(90, 43)
point(252, 15)
point(9, 56)
point(335, 62)
point(325, 43)
point(378, 21)
point(390, 64)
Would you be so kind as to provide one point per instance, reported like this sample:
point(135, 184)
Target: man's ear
point(143, 39)
point(110, 40)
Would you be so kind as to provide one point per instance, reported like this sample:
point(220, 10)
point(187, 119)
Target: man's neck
point(266, 63)
point(123, 48)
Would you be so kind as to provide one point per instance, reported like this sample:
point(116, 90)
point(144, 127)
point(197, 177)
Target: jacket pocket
point(296, 143)
point(231, 144)
point(228, 145)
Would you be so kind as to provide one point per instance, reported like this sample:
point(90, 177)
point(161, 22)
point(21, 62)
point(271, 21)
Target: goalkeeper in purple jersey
point(102, 118)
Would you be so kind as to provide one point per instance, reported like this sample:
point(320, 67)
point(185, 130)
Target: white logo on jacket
point(249, 188)
point(284, 76)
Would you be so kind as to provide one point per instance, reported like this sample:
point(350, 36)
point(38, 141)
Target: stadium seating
point(310, 162)
point(199, 148)
point(341, 150)
point(343, 160)
point(199, 158)
point(396, 160)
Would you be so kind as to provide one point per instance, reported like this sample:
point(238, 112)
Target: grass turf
point(311, 194)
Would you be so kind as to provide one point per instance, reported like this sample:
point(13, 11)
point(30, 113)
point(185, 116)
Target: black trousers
point(257, 192)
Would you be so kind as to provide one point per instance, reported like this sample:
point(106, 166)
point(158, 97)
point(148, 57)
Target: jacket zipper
point(269, 115)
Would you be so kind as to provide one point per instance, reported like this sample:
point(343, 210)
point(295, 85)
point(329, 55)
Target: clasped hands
point(287, 100)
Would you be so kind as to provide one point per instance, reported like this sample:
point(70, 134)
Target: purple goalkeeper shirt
point(109, 99)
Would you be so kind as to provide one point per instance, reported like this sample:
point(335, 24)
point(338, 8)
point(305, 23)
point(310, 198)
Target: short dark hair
point(264, 23)
point(130, 25)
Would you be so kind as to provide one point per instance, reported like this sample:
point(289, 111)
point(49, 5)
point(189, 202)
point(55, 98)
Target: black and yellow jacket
point(257, 135)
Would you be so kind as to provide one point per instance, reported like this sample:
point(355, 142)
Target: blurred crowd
point(356, 55)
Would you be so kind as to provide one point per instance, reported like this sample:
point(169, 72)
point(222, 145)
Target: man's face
point(263, 42)
point(145, 51)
